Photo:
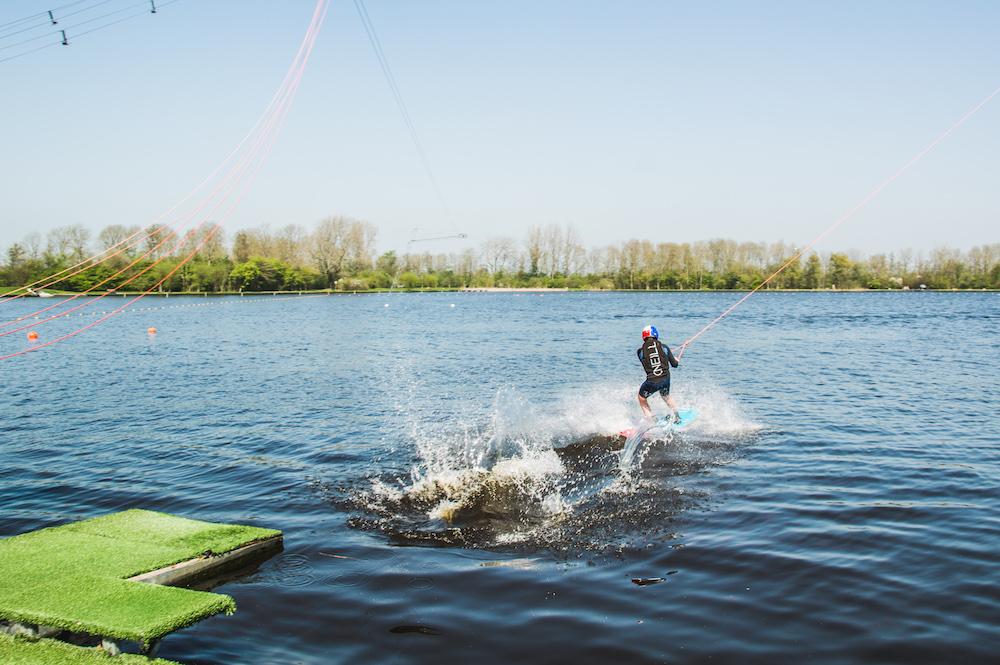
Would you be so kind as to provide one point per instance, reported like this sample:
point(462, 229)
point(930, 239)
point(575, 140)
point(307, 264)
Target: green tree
point(791, 277)
point(409, 280)
point(247, 276)
point(17, 266)
point(838, 271)
point(387, 263)
point(812, 278)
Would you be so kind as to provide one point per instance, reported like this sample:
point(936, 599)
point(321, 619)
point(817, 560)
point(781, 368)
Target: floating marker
point(151, 330)
point(32, 335)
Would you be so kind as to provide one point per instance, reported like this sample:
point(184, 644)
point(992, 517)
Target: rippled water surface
point(444, 468)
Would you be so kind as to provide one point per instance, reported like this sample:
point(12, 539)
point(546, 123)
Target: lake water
point(443, 469)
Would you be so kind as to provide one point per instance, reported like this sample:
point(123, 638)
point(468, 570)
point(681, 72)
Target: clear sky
point(665, 121)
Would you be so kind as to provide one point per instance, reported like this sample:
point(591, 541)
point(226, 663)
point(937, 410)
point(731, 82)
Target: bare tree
point(466, 264)
point(261, 241)
point(497, 253)
point(752, 256)
point(241, 247)
point(410, 263)
point(721, 253)
point(124, 242)
point(947, 261)
point(982, 259)
point(19, 270)
point(602, 260)
point(905, 257)
point(57, 244)
point(671, 256)
point(552, 240)
point(632, 254)
point(691, 261)
point(206, 242)
point(878, 266)
point(428, 263)
point(214, 246)
point(110, 237)
point(135, 234)
point(158, 242)
point(534, 245)
point(111, 242)
point(33, 246)
point(441, 262)
point(571, 251)
point(289, 244)
point(68, 242)
point(339, 243)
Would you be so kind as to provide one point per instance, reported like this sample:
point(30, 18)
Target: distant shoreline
point(540, 289)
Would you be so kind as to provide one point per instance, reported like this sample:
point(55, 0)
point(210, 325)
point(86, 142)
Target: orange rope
point(835, 225)
point(275, 118)
point(285, 93)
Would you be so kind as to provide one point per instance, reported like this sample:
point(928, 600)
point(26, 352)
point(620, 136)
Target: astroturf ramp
point(22, 651)
point(74, 577)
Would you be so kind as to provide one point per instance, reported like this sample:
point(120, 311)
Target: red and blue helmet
point(650, 331)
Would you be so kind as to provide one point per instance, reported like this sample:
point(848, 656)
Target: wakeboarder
point(656, 360)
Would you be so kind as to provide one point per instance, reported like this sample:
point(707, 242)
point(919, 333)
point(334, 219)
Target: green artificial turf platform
point(22, 651)
point(75, 577)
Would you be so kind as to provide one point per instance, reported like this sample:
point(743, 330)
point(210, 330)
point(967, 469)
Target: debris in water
point(416, 629)
point(644, 581)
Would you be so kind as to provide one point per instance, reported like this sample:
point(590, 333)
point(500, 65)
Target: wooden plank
point(185, 571)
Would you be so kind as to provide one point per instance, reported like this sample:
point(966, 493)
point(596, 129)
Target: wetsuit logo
point(655, 366)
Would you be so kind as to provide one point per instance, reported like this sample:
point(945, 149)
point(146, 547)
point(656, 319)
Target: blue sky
point(665, 121)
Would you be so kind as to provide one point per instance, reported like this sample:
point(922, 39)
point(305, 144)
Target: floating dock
point(105, 578)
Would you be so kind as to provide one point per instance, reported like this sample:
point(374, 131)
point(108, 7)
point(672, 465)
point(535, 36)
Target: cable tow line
point(837, 223)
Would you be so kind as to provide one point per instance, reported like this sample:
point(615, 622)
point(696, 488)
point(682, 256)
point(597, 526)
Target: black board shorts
point(647, 388)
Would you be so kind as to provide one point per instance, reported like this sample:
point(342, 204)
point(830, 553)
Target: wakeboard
point(662, 424)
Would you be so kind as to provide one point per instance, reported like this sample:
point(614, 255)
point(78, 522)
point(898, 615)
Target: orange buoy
point(152, 330)
point(32, 335)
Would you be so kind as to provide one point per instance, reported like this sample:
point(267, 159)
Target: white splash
point(500, 465)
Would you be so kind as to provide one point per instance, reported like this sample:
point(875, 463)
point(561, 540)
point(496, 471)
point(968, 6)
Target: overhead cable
point(837, 223)
point(61, 33)
point(384, 63)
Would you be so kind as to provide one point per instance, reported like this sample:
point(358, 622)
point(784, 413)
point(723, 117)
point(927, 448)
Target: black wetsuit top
point(654, 357)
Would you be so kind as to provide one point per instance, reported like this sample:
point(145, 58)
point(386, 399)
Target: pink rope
point(837, 223)
point(273, 120)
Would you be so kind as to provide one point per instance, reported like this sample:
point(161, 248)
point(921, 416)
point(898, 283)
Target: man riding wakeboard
point(656, 360)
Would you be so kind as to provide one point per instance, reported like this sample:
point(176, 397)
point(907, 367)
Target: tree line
point(339, 253)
